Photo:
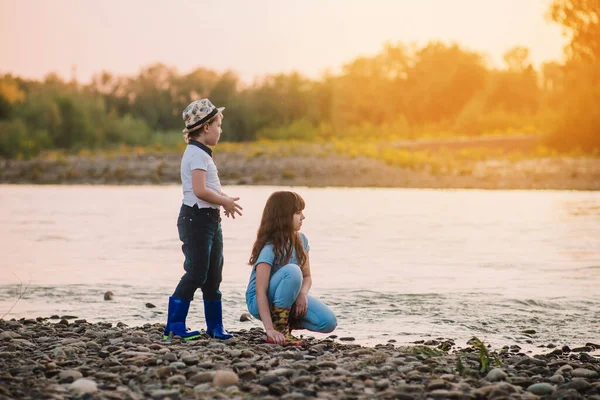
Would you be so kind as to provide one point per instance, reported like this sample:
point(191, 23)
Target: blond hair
point(194, 133)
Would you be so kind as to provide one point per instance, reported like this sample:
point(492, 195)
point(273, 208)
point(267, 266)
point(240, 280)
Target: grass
point(434, 158)
point(486, 359)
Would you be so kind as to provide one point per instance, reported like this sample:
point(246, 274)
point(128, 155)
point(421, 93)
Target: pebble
point(69, 376)
point(584, 373)
point(495, 375)
point(541, 389)
point(103, 360)
point(225, 378)
point(245, 317)
point(176, 380)
point(83, 385)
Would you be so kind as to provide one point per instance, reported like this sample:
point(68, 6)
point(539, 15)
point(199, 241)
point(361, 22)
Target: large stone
point(172, 394)
point(496, 375)
point(69, 375)
point(584, 373)
point(83, 385)
point(224, 378)
point(190, 358)
point(176, 380)
point(202, 377)
point(541, 389)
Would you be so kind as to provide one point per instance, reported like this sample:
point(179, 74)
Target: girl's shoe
point(280, 318)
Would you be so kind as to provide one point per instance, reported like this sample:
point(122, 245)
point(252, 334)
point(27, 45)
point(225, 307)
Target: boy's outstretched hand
point(231, 207)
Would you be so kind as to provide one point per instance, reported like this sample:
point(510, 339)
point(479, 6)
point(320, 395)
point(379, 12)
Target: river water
point(401, 264)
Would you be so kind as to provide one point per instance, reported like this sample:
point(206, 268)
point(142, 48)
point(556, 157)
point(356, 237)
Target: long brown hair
point(277, 228)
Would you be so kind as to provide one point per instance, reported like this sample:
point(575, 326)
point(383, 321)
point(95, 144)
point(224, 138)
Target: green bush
point(17, 141)
point(299, 130)
point(127, 130)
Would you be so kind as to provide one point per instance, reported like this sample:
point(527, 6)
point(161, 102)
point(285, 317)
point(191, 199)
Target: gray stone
point(69, 376)
point(248, 374)
point(382, 384)
point(584, 373)
point(245, 317)
point(496, 375)
point(58, 353)
point(203, 387)
point(445, 394)
point(268, 379)
point(302, 380)
point(438, 384)
point(578, 384)
point(326, 364)
point(172, 394)
point(287, 372)
point(202, 377)
point(190, 359)
point(565, 369)
point(541, 389)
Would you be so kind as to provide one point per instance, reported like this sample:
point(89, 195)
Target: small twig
point(21, 292)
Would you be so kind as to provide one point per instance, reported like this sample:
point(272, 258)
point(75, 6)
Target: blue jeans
point(202, 238)
point(284, 287)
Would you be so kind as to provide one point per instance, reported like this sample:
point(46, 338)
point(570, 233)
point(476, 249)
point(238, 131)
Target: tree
point(581, 19)
point(580, 125)
point(442, 81)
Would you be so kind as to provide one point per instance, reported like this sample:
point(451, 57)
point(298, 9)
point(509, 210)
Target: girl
point(199, 224)
point(277, 293)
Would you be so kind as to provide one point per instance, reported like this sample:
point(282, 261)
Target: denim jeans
point(202, 238)
point(284, 287)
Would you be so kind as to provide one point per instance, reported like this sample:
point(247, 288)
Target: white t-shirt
point(196, 158)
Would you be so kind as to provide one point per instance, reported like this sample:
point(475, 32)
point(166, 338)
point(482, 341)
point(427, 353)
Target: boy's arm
point(203, 193)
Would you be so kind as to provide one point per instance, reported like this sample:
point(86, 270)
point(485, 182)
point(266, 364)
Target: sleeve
point(304, 242)
point(198, 161)
point(266, 256)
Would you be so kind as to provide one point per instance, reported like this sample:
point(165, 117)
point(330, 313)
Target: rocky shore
point(74, 359)
point(310, 169)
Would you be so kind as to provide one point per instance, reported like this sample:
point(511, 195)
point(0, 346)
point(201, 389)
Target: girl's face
point(297, 220)
point(213, 132)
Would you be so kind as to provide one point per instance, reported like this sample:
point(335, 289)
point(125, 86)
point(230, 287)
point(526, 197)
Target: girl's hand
point(301, 305)
point(275, 337)
point(231, 207)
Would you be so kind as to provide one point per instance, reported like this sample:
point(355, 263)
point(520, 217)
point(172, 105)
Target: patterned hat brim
point(195, 128)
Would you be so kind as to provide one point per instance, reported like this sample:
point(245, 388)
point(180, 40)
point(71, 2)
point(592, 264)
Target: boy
point(199, 224)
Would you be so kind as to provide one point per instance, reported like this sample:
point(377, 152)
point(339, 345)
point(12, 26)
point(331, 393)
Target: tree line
point(405, 91)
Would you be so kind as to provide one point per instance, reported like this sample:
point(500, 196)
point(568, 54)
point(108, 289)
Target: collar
point(201, 146)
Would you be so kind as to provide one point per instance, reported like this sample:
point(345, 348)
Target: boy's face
point(213, 131)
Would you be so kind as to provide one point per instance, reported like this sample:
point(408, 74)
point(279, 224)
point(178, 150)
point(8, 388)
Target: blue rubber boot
point(178, 311)
point(213, 312)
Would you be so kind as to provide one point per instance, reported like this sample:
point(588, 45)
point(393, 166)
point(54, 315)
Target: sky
point(258, 37)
